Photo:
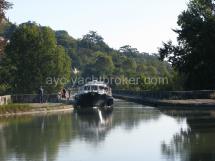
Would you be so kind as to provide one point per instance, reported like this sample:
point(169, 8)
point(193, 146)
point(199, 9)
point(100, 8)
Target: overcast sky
point(143, 24)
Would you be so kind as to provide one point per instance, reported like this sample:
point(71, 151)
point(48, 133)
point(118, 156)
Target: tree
point(141, 68)
point(65, 40)
point(70, 46)
point(94, 41)
point(194, 55)
point(4, 5)
point(103, 66)
point(129, 65)
point(33, 58)
point(128, 50)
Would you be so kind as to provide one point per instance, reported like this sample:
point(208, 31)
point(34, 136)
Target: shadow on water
point(196, 143)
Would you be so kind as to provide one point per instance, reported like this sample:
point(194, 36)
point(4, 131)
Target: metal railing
point(34, 98)
point(201, 94)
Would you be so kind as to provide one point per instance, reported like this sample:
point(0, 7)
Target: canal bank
point(183, 100)
point(27, 104)
point(33, 109)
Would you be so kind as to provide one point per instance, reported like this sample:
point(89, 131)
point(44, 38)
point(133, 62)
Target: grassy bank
point(13, 108)
point(31, 107)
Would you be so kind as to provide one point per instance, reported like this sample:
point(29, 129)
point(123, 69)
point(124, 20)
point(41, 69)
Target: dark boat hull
point(92, 101)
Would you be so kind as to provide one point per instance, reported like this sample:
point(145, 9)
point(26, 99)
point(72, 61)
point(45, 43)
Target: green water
point(131, 133)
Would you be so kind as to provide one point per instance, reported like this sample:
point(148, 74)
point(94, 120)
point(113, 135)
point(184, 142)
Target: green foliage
point(35, 54)
point(105, 64)
point(70, 46)
point(128, 51)
point(6, 29)
point(31, 57)
point(4, 88)
point(93, 57)
point(65, 40)
point(193, 56)
point(93, 41)
point(129, 64)
point(102, 66)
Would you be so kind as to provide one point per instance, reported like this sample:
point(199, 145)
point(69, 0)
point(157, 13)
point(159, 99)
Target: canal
point(131, 133)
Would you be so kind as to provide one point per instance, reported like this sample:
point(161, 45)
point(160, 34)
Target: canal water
point(131, 133)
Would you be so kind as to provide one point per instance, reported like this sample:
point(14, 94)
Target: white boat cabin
point(96, 86)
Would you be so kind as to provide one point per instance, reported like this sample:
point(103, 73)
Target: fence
point(202, 94)
point(34, 98)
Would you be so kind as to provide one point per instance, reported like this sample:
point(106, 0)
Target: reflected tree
point(40, 137)
point(37, 138)
point(195, 143)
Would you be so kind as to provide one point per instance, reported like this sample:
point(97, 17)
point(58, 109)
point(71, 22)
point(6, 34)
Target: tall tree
point(94, 41)
point(33, 59)
point(194, 55)
point(103, 66)
point(128, 50)
point(4, 5)
point(129, 65)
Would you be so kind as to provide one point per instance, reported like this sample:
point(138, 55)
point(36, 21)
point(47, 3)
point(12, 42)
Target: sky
point(143, 24)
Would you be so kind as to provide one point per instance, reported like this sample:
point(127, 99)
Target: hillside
point(91, 56)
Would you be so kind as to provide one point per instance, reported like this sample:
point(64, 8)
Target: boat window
point(101, 88)
point(94, 88)
point(87, 88)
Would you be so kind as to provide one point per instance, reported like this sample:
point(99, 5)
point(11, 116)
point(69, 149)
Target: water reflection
point(131, 132)
point(195, 143)
point(42, 137)
point(94, 127)
point(129, 115)
point(27, 138)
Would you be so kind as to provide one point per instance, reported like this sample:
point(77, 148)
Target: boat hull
point(92, 101)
